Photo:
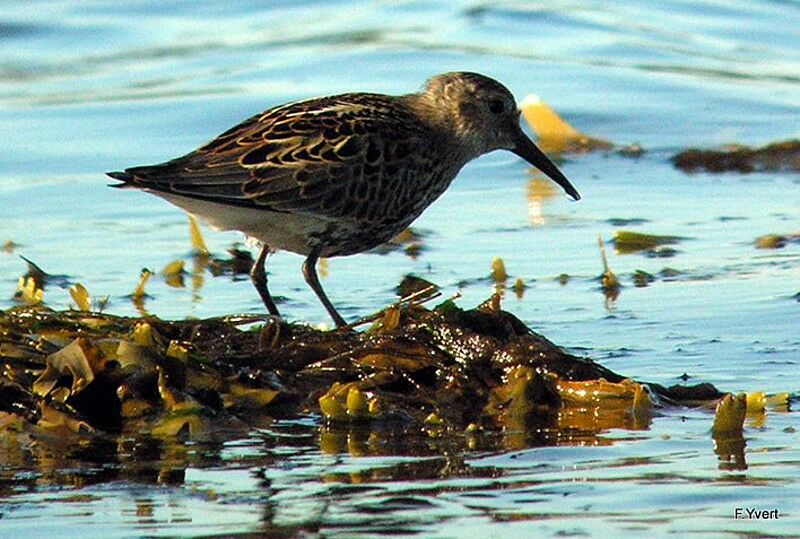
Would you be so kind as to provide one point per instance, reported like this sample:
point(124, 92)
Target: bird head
point(484, 117)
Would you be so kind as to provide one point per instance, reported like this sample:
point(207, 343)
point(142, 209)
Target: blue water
point(87, 87)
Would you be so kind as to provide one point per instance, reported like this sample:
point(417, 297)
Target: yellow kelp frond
point(555, 134)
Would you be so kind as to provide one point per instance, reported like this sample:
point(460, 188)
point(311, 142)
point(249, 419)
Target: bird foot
point(344, 328)
point(270, 334)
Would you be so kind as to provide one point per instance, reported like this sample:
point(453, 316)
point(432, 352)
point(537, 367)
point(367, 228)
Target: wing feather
point(324, 156)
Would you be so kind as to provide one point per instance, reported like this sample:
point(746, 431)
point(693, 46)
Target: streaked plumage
point(340, 175)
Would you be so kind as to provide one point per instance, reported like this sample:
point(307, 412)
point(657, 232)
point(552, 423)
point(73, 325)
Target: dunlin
point(340, 175)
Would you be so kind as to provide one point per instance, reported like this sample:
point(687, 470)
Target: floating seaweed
point(81, 297)
point(776, 241)
point(778, 156)
point(411, 285)
point(626, 241)
point(642, 278)
point(608, 279)
point(240, 262)
point(411, 241)
point(499, 274)
point(519, 287)
point(554, 133)
point(199, 246)
point(727, 431)
point(28, 292)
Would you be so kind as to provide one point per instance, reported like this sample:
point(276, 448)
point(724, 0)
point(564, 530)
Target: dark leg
point(259, 276)
point(310, 273)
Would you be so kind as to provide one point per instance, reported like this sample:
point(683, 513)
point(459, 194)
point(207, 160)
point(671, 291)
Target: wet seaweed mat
point(445, 369)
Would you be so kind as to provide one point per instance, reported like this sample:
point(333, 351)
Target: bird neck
point(448, 128)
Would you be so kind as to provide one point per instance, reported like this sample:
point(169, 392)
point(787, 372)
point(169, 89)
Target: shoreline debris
point(777, 156)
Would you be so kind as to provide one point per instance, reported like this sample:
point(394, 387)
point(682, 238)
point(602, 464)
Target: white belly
point(285, 231)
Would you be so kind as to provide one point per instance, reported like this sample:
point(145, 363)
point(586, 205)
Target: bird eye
point(496, 106)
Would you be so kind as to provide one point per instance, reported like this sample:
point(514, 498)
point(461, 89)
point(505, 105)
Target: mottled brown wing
point(344, 156)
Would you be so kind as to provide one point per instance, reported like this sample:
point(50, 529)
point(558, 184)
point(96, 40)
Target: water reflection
point(200, 261)
point(139, 295)
point(539, 192)
point(61, 457)
point(730, 450)
point(296, 475)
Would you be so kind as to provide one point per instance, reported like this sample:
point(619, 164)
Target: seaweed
point(778, 156)
point(446, 369)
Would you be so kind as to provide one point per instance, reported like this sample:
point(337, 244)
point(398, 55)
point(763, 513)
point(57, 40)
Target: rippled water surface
point(89, 86)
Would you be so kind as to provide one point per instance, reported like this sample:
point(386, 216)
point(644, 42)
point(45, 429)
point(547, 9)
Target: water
point(87, 87)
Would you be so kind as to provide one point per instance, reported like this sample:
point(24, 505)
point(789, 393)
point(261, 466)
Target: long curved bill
point(527, 150)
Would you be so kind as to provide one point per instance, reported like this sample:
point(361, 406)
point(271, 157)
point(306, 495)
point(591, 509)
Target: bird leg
point(259, 276)
point(310, 273)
